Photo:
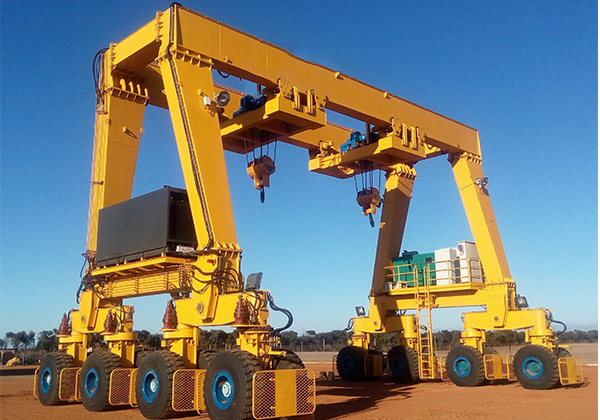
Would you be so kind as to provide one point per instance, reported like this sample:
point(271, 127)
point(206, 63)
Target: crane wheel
point(536, 367)
point(289, 361)
point(154, 383)
point(94, 382)
point(139, 356)
point(49, 377)
point(561, 352)
point(465, 367)
point(204, 358)
point(228, 385)
point(403, 364)
point(351, 363)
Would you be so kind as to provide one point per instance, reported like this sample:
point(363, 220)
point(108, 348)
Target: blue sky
point(523, 73)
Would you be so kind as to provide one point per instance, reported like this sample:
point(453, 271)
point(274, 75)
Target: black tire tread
point(140, 356)
point(476, 356)
point(290, 361)
point(173, 362)
point(550, 383)
point(251, 366)
point(562, 352)
point(359, 353)
point(205, 356)
point(63, 360)
point(412, 358)
point(110, 361)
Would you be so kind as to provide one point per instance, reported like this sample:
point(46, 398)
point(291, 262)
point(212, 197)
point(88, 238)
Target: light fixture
point(223, 98)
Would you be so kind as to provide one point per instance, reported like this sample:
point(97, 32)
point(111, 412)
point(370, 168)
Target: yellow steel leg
point(116, 145)
point(198, 136)
point(478, 206)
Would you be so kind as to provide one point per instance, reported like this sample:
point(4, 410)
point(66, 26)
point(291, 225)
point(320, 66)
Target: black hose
point(564, 327)
point(552, 320)
point(350, 325)
point(287, 313)
point(96, 72)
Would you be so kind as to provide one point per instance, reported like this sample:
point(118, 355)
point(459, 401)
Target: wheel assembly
point(465, 367)
point(536, 367)
point(228, 385)
point(154, 383)
point(48, 379)
point(204, 358)
point(289, 361)
point(403, 364)
point(94, 380)
point(351, 363)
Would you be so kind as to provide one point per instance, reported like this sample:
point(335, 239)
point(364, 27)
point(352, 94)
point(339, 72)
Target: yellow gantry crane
point(183, 242)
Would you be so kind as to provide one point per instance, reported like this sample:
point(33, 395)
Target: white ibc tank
point(454, 264)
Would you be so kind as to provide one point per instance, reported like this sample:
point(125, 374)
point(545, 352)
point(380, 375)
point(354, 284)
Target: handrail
point(441, 272)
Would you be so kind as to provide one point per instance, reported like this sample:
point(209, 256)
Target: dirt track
point(379, 400)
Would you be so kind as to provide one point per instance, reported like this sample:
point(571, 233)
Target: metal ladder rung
point(427, 362)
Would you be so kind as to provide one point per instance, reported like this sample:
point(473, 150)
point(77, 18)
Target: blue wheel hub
point(223, 390)
point(150, 386)
point(46, 380)
point(533, 367)
point(90, 382)
point(399, 366)
point(462, 366)
point(348, 364)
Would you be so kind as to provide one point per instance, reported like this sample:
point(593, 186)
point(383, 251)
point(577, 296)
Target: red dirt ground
point(378, 400)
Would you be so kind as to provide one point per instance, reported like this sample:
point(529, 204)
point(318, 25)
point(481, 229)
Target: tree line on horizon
point(308, 341)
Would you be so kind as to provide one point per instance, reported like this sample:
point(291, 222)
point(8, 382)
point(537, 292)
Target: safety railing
point(435, 273)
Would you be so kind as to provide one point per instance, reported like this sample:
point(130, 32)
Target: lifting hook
point(369, 199)
point(260, 169)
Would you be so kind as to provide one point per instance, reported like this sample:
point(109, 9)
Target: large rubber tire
point(139, 356)
point(465, 367)
point(536, 367)
point(49, 377)
point(561, 352)
point(351, 363)
point(289, 361)
point(94, 382)
point(154, 383)
point(204, 358)
point(403, 364)
point(228, 385)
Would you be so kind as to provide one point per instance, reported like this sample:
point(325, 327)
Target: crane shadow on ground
point(358, 396)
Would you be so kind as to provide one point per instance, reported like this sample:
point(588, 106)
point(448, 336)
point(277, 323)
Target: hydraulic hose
point(552, 320)
point(287, 313)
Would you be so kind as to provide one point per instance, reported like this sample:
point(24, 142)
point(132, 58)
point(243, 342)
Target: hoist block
point(369, 199)
point(260, 169)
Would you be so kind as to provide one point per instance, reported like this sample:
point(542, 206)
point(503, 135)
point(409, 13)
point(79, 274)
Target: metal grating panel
point(35, 382)
point(69, 384)
point(440, 369)
point(185, 389)
point(570, 370)
point(263, 394)
point(132, 394)
point(200, 405)
point(511, 368)
point(495, 368)
point(306, 400)
point(122, 386)
point(283, 393)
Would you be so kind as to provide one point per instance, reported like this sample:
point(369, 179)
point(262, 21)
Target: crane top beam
point(232, 51)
